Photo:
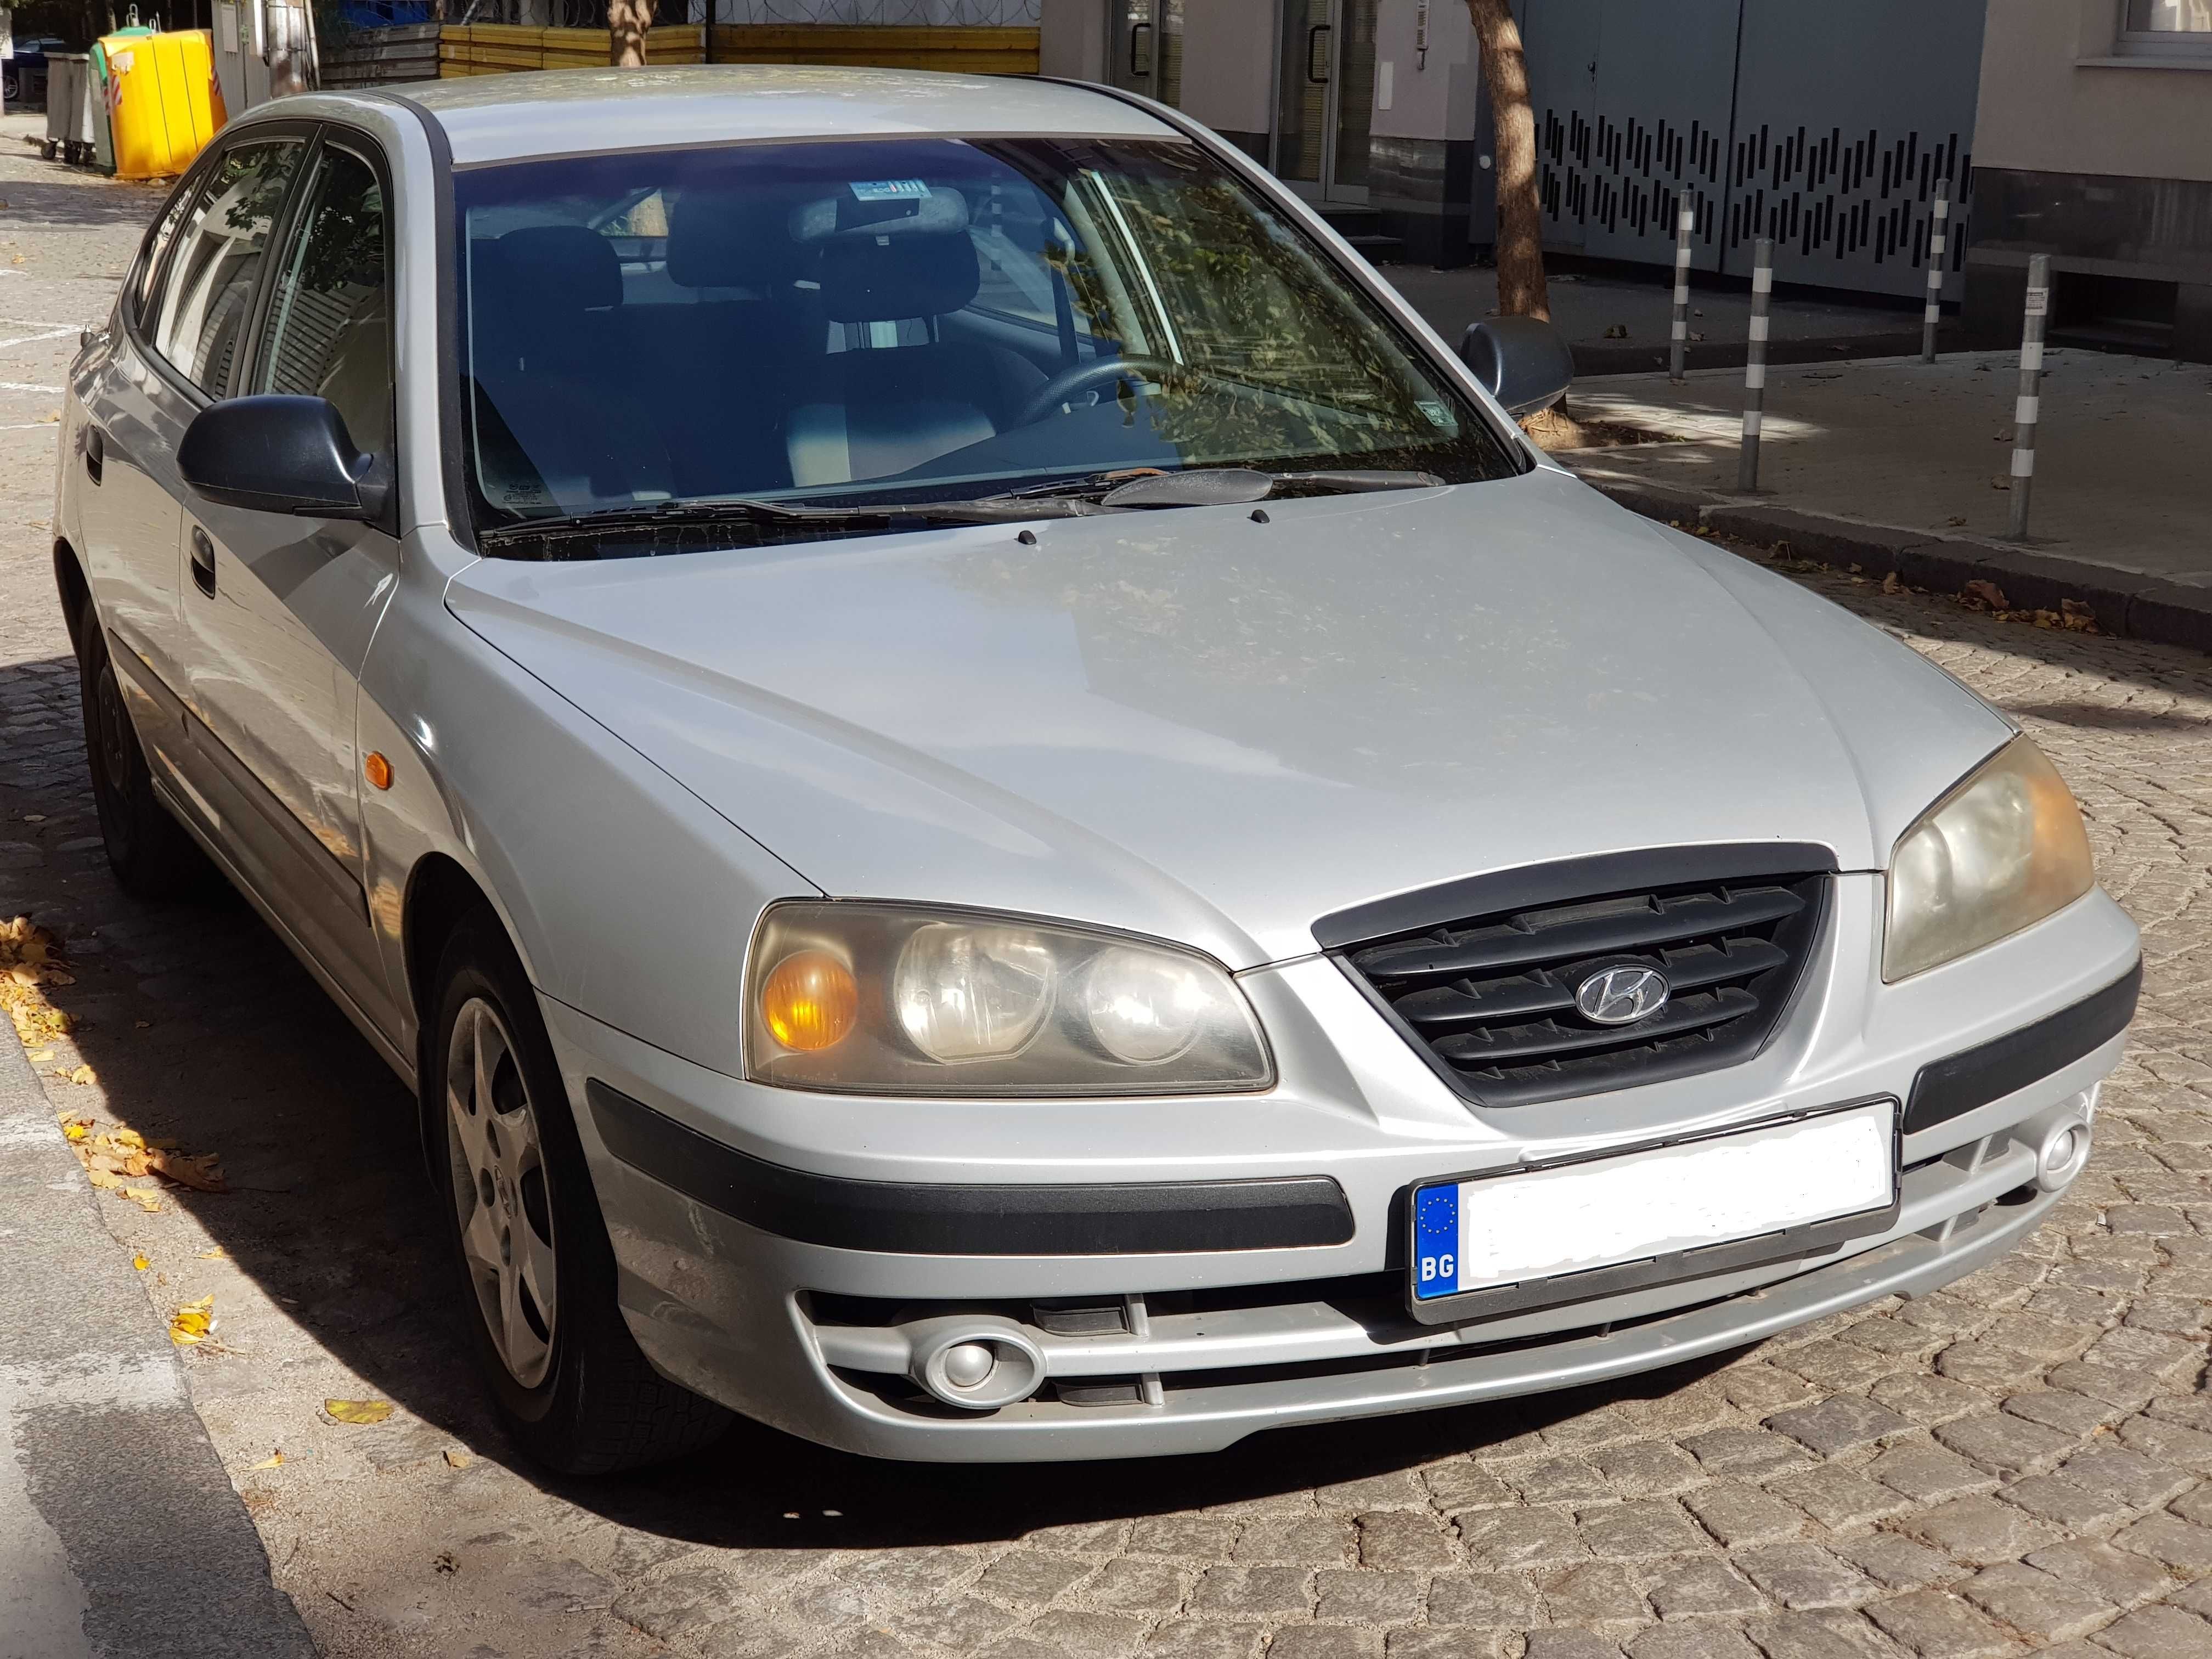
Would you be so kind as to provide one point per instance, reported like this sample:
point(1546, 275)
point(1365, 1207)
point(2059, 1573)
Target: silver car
point(998, 811)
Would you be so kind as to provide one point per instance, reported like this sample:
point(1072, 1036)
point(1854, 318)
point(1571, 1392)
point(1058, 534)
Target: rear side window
point(165, 230)
point(329, 327)
point(220, 247)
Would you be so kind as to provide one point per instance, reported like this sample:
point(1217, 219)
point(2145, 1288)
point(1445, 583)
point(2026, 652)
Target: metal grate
point(1491, 999)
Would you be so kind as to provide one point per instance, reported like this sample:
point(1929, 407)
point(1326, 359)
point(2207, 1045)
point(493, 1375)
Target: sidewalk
point(1895, 464)
point(1583, 307)
point(119, 1532)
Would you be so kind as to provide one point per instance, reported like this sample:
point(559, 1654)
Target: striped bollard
point(1938, 224)
point(1755, 360)
point(2028, 406)
point(1678, 350)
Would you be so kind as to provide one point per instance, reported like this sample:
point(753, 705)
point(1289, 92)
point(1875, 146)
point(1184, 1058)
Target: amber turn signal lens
point(809, 1001)
point(377, 769)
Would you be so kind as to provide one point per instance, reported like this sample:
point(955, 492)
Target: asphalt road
point(2019, 1463)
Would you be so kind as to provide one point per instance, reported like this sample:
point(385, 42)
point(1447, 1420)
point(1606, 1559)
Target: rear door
point(279, 609)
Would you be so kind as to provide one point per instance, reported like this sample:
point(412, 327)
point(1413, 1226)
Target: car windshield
point(883, 321)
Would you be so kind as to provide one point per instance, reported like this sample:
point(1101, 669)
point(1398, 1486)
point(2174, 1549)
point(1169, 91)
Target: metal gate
point(1825, 127)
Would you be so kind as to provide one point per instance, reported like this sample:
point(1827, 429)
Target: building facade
point(2095, 146)
point(1828, 128)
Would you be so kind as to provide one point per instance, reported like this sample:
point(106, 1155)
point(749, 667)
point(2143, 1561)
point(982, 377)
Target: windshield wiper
point(630, 520)
point(1216, 486)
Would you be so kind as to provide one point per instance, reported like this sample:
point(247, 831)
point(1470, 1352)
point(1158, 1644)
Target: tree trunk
point(626, 23)
point(1521, 291)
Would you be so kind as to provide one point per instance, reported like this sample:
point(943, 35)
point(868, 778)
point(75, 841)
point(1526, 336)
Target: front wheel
point(150, 852)
point(530, 1242)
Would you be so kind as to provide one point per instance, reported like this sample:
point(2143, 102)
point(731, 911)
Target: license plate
point(1672, 1207)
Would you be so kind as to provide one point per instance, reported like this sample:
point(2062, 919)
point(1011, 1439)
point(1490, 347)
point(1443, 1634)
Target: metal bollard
point(1938, 223)
point(2026, 407)
point(1755, 360)
point(1686, 221)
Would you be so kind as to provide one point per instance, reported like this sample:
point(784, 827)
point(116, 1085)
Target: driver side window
point(328, 331)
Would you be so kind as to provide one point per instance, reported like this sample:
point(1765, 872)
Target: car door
point(136, 409)
point(279, 609)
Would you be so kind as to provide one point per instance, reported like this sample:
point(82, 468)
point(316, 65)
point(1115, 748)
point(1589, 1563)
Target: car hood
point(1192, 724)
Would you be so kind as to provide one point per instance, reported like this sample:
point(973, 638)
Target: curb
point(2126, 605)
point(121, 1534)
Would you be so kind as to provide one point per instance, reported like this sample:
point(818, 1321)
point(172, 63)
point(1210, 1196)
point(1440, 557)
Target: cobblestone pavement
point(2018, 1463)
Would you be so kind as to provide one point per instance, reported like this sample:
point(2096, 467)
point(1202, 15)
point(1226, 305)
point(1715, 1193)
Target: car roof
point(505, 117)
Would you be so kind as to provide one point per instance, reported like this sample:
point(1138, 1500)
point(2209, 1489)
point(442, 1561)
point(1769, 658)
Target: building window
point(2166, 28)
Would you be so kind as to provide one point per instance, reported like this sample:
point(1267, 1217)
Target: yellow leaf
point(191, 1322)
point(358, 1411)
point(198, 1172)
point(140, 1263)
point(218, 1254)
point(42, 1056)
point(107, 1179)
point(128, 1137)
point(81, 1074)
point(149, 1202)
point(77, 1131)
point(274, 1461)
point(456, 1459)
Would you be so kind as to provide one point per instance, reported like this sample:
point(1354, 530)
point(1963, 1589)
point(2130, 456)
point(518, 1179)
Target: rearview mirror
point(1521, 361)
point(277, 454)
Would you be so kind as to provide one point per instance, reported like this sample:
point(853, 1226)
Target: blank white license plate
point(1520, 1225)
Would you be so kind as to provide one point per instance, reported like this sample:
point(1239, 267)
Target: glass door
point(1325, 101)
point(1144, 48)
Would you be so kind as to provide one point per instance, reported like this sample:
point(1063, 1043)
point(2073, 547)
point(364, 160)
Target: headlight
point(2003, 849)
point(894, 998)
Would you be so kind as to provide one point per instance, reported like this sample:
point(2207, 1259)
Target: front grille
point(1491, 998)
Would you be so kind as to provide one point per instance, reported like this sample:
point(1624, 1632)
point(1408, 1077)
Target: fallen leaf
point(42, 1056)
point(218, 1254)
point(2001, 482)
point(149, 1201)
point(1891, 585)
point(106, 1180)
point(82, 1074)
point(1984, 593)
point(274, 1461)
point(191, 1322)
point(1954, 522)
point(197, 1171)
point(77, 1131)
point(458, 1460)
point(140, 1263)
point(363, 1412)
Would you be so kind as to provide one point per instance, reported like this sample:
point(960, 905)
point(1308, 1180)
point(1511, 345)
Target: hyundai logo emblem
point(1621, 996)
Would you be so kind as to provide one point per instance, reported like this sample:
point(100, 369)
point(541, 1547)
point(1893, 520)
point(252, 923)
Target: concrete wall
point(1072, 38)
point(2055, 99)
point(1229, 67)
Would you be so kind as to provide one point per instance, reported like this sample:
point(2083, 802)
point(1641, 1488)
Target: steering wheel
point(1095, 376)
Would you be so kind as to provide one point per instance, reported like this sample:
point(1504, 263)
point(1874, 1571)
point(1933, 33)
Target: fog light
point(2063, 1151)
point(968, 1364)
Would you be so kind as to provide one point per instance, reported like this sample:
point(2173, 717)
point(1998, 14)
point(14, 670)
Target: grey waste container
point(68, 107)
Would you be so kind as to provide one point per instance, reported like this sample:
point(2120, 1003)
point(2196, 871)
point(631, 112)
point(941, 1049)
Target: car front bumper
point(805, 1285)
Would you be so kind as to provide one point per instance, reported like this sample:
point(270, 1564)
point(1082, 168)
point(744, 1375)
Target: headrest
point(730, 241)
point(558, 269)
point(865, 279)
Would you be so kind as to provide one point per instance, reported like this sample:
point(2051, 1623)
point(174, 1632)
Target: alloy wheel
point(500, 1199)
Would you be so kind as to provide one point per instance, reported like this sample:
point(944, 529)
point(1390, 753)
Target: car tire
point(568, 1380)
point(11, 89)
point(151, 853)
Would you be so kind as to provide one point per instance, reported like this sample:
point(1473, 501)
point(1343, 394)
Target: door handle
point(1313, 38)
point(203, 562)
point(1136, 29)
point(95, 451)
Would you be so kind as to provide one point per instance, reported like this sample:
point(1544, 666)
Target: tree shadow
point(81, 202)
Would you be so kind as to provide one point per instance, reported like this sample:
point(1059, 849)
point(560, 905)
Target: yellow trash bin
point(162, 100)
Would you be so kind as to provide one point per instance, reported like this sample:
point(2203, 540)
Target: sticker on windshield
point(1438, 413)
point(889, 189)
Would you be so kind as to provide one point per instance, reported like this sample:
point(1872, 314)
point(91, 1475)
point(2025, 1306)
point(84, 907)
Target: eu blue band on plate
point(1436, 1241)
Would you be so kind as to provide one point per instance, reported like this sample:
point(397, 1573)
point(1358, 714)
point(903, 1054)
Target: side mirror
point(277, 454)
point(1522, 361)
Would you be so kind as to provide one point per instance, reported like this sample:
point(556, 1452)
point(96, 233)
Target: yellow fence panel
point(504, 48)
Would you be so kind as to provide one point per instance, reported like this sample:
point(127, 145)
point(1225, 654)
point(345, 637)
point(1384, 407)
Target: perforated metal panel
point(1825, 127)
